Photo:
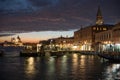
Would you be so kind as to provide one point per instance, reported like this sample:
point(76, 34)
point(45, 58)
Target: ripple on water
point(69, 67)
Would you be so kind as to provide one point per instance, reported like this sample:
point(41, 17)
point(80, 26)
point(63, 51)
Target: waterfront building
point(109, 40)
point(6, 43)
point(30, 46)
point(103, 40)
point(14, 42)
point(65, 42)
point(116, 37)
point(116, 33)
point(17, 41)
point(85, 37)
point(59, 43)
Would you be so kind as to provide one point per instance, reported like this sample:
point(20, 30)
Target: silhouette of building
point(99, 18)
point(17, 41)
point(14, 42)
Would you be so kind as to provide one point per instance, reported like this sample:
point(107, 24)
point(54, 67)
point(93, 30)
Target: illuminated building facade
point(108, 40)
point(116, 37)
point(103, 39)
point(60, 43)
point(116, 33)
point(85, 37)
point(14, 42)
point(64, 42)
point(17, 41)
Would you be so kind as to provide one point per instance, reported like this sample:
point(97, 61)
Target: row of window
point(99, 28)
point(105, 36)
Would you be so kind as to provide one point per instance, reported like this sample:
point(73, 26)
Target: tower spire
point(99, 18)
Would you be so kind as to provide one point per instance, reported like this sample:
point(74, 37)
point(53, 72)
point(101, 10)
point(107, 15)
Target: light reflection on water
point(112, 71)
point(67, 67)
point(30, 67)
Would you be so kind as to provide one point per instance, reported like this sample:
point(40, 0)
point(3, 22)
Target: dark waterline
point(68, 67)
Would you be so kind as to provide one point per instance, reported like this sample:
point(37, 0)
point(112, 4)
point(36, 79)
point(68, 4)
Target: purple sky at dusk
point(53, 15)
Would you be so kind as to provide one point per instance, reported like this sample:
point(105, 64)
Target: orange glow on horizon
point(23, 40)
point(37, 36)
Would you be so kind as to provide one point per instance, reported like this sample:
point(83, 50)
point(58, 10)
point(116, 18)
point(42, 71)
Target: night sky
point(54, 15)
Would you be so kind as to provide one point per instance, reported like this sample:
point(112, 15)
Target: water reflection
point(112, 72)
point(75, 60)
point(51, 66)
point(30, 67)
point(82, 61)
point(67, 67)
point(64, 64)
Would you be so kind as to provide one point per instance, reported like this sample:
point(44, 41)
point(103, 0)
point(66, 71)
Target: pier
point(55, 53)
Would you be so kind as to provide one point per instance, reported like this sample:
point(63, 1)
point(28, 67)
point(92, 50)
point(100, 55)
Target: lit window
point(104, 29)
point(94, 28)
point(97, 28)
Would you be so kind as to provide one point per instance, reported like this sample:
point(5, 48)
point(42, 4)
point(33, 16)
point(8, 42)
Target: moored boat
point(56, 53)
point(111, 56)
point(28, 54)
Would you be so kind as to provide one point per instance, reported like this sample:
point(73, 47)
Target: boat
point(88, 52)
point(28, 54)
point(56, 53)
point(111, 56)
point(32, 53)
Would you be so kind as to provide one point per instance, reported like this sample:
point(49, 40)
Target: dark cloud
point(6, 34)
point(43, 3)
point(14, 5)
point(25, 5)
point(39, 15)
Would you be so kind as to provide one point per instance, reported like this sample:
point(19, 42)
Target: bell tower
point(99, 18)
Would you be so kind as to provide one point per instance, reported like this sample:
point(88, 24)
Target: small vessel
point(111, 56)
point(28, 54)
point(32, 52)
point(56, 53)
